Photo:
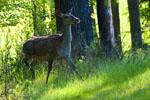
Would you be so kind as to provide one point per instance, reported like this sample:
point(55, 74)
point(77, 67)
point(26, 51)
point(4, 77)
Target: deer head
point(68, 18)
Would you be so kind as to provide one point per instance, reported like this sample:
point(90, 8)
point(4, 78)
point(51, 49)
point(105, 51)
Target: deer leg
point(33, 73)
point(27, 64)
point(34, 62)
point(69, 61)
point(26, 61)
point(49, 69)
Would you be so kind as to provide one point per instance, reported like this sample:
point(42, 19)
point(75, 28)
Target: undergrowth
point(126, 79)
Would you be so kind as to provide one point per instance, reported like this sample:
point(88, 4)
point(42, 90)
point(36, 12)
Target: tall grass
point(119, 80)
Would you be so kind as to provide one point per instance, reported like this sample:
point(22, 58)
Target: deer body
point(42, 48)
point(65, 47)
point(47, 48)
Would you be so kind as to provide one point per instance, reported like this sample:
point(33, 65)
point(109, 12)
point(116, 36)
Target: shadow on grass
point(109, 94)
point(119, 73)
point(115, 74)
point(57, 79)
point(142, 94)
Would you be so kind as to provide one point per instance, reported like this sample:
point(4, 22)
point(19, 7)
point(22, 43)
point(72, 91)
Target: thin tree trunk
point(44, 10)
point(34, 12)
point(135, 27)
point(149, 3)
point(106, 28)
point(6, 91)
point(116, 23)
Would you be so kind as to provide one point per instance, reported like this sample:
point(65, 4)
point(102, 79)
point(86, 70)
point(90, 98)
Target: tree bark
point(135, 27)
point(149, 3)
point(116, 24)
point(106, 28)
point(86, 21)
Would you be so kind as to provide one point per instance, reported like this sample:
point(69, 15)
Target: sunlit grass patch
point(74, 90)
point(120, 80)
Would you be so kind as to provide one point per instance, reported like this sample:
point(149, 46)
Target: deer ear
point(58, 12)
point(70, 11)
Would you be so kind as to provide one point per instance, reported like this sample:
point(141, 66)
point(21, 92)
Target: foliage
point(145, 21)
point(44, 18)
point(16, 26)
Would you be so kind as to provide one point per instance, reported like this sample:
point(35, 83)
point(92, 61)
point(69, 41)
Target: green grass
point(118, 80)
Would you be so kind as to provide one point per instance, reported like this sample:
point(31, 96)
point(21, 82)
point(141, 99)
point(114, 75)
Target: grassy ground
point(119, 80)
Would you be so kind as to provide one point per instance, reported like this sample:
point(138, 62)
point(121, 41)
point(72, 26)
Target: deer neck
point(67, 35)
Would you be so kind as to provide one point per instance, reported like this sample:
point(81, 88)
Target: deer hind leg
point(69, 61)
point(50, 62)
point(26, 58)
point(26, 61)
point(34, 62)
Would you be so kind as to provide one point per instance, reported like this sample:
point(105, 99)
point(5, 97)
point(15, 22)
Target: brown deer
point(47, 48)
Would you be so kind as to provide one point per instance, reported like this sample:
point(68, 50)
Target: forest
point(102, 49)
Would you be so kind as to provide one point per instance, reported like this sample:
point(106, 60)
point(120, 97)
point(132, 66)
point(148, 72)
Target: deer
point(48, 48)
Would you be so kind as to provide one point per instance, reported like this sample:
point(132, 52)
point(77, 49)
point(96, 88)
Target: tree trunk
point(106, 28)
point(149, 3)
point(86, 22)
point(64, 6)
point(116, 23)
point(44, 10)
point(135, 27)
point(34, 12)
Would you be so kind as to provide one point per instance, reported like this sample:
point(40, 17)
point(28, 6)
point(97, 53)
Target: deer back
point(42, 48)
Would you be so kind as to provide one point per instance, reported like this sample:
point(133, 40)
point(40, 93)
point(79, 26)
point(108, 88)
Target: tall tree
point(82, 33)
point(106, 28)
point(149, 3)
point(86, 21)
point(116, 23)
point(135, 27)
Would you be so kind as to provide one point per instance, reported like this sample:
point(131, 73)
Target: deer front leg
point(49, 69)
point(69, 61)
